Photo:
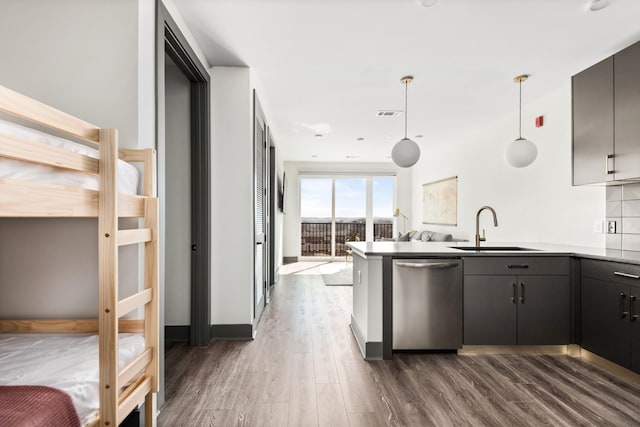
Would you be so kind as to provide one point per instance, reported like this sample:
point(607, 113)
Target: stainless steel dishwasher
point(427, 304)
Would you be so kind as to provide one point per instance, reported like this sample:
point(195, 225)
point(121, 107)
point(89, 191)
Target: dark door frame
point(170, 40)
point(273, 197)
point(259, 120)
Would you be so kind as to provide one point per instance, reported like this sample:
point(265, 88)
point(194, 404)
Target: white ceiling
point(327, 66)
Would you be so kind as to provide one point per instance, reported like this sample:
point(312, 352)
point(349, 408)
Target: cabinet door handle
point(621, 311)
point(515, 293)
point(630, 276)
point(606, 164)
point(517, 266)
point(632, 309)
point(521, 292)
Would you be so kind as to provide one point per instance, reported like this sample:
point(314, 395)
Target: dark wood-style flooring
point(304, 369)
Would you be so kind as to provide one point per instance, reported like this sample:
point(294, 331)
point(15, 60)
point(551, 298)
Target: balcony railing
point(316, 236)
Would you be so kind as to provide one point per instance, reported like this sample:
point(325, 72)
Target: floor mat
point(342, 277)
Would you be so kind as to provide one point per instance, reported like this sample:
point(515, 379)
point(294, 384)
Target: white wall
point(81, 57)
point(78, 56)
point(177, 263)
point(231, 196)
point(293, 170)
point(533, 204)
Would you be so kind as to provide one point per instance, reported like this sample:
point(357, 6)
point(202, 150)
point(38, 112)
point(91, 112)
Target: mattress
point(128, 175)
point(68, 362)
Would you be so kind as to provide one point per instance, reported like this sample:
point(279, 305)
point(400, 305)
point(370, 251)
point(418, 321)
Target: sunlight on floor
point(309, 267)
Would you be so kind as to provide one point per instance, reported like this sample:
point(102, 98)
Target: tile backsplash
point(623, 207)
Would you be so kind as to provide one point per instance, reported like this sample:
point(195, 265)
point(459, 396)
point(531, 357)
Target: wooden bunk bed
point(120, 390)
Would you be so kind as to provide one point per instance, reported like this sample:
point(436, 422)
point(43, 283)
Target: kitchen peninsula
point(546, 271)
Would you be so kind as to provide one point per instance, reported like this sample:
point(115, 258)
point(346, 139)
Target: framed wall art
point(440, 202)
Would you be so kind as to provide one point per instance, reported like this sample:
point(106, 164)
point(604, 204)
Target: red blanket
point(36, 406)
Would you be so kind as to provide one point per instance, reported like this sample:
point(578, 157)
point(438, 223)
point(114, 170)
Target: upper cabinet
point(606, 120)
point(593, 124)
point(626, 78)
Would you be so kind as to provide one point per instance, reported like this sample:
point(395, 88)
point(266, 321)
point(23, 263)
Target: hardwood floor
point(304, 369)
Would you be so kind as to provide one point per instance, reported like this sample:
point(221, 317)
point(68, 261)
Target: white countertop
point(445, 249)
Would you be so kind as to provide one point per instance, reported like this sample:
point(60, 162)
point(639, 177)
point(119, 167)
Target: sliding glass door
point(338, 209)
point(383, 207)
point(350, 213)
point(316, 211)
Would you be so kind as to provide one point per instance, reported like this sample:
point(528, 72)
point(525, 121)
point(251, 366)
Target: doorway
point(177, 192)
point(174, 53)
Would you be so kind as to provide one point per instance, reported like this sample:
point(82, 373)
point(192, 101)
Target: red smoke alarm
point(539, 121)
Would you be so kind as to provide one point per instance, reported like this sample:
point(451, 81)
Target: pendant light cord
point(406, 91)
point(520, 112)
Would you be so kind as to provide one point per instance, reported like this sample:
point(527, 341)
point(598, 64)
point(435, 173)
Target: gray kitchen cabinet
point(516, 300)
point(592, 99)
point(489, 315)
point(610, 308)
point(606, 120)
point(543, 310)
point(627, 113)
point(603, 331)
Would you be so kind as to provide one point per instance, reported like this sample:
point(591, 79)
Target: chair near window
point(354, 236)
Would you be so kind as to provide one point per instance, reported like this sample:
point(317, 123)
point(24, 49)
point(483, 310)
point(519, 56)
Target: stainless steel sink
point(492, 248)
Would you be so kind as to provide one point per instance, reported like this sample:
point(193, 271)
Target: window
point(335, 210)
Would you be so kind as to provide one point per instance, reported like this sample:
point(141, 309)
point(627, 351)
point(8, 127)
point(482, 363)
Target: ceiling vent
point(388, 113)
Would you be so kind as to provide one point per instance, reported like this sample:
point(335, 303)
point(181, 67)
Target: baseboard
point(513, 349)
point(176, 333)
point(232, 332)
point(374, 350)
point(371, 350)
point(609, 366)
point(355, 330)
point(289, 260)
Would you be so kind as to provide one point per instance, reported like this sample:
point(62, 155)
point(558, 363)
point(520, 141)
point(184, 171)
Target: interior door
point(260, 143)
point(271, 218)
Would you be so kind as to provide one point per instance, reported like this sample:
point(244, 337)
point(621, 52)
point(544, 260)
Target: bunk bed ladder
point(114, 406)
point(108, 277)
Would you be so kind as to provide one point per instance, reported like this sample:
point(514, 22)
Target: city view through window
point(319, 205)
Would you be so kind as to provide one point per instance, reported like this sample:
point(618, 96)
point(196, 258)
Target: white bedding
point(68, 362)
point(15, 169)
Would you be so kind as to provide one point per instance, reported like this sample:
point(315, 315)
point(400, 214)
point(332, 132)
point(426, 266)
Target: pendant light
point(520, 152)
point(406, 152)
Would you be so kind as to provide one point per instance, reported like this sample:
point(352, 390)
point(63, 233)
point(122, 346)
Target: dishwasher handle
point(440, 265)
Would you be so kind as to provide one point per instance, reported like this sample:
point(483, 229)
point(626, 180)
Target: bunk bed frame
point(31, 199)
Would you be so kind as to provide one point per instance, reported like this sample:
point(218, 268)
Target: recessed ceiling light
point(597, 5)
point(318, 135)
point(314, 155)
point(427, 3)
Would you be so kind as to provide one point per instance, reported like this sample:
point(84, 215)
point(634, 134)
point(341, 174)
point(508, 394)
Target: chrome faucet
point(495, 224)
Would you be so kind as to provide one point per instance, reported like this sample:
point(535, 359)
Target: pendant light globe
point(520, 153)
point(405, 153)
